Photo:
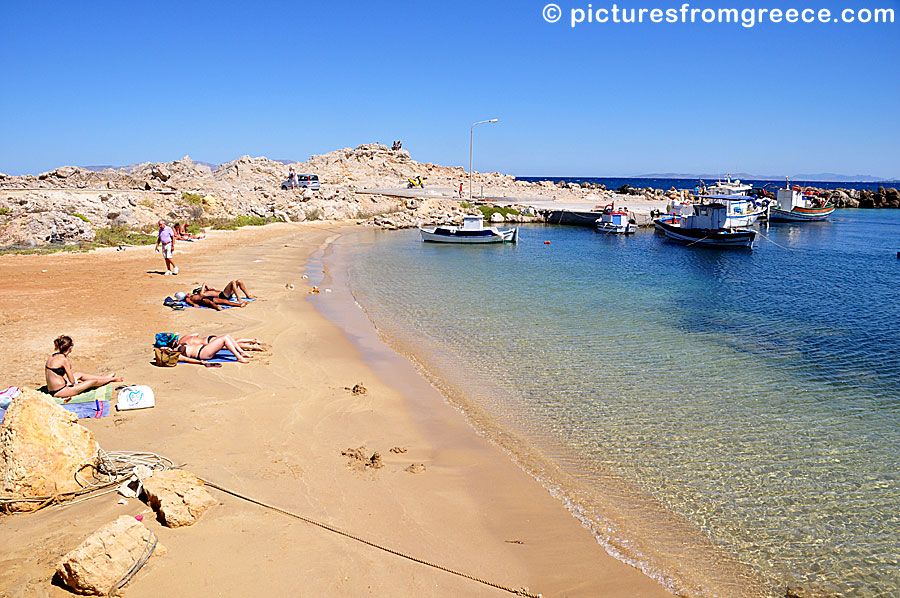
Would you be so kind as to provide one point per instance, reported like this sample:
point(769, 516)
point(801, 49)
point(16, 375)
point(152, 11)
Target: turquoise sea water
point(726, 420)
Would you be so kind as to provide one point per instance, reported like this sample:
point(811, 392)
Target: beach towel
point(104, 393)
point(223, 356)
point(93, 409)
point(186, 304)
point(8, 395)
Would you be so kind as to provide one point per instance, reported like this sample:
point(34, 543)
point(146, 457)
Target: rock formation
point(106, 556)
point(41, 448)
point(177, 496)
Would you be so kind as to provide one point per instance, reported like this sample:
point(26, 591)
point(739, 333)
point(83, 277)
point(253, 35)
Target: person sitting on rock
point(62, 382)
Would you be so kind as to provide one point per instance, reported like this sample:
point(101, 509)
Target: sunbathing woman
point(231, 290)
point(196, 350)
point(215, 302)
point(245, 344)
point(62, 382)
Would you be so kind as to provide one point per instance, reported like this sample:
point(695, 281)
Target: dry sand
point(275, 429)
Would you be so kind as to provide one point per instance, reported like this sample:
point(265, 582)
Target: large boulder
point(177, 496)
point(98, 564)
point(41, 448)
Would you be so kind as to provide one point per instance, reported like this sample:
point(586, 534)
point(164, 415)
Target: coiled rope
point(518, 592)
point(108, 469)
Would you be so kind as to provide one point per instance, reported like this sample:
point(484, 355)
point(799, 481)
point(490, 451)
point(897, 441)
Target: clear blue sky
point(116, 83)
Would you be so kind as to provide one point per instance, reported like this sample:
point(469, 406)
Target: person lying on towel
point(194, 349)
point(245, 344)
point(214, 302)
point(62, 382)
point(231, 290)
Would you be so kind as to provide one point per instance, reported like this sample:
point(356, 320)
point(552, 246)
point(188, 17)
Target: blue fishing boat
point(706, 227)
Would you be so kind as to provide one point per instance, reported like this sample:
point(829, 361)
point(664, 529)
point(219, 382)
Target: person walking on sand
point(166, 238)
point(62, 382)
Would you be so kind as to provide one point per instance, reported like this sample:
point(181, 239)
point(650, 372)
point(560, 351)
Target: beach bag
point(165, 339)
point(135, 397)
point(165, 357)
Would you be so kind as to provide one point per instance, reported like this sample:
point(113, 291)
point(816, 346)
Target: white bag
point(135, 397)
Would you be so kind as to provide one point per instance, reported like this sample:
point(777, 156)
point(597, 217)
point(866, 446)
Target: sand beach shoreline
point(275, 429)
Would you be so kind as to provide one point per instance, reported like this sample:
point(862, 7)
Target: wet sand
point(274, 429)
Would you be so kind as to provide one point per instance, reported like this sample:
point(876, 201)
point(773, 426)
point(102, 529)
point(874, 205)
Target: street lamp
point(471, 142)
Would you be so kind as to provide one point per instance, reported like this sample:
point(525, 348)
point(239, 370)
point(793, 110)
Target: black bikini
point(61, 372)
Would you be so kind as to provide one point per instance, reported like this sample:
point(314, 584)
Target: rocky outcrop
point(44, 208)
point(105, 557)
point(177, 496)
point(41, 448)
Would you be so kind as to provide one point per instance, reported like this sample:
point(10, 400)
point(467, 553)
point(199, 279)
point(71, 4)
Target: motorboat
point(794, 205)
point(615, 221)
point(740, 209)
point(706, 227)
point(472, 231)
point(729, 186)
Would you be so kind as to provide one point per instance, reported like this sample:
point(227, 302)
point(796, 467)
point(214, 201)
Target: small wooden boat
point(705, 228)
point(472, 231)
point(796, 206)
point(615, 221)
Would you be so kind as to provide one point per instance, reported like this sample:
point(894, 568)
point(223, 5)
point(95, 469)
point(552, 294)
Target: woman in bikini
point(62, 382)
point(245, 344)
point(193, 349)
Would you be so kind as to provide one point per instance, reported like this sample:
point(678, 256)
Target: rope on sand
point(109, 469)
point(518, 592)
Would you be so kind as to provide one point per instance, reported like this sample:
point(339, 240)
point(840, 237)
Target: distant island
point(823, 177)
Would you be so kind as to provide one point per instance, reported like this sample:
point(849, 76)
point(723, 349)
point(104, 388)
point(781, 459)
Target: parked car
point(304, 181)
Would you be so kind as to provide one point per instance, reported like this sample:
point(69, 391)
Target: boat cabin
point(736, 206)
point(788, 199)
point(473, 222)
point(707, 216)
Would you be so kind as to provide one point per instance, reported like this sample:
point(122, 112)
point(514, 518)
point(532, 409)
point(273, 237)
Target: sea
point(679, 184)
point(727, 421)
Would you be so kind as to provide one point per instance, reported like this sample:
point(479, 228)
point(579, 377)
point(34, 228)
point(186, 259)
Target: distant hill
point(821, 177)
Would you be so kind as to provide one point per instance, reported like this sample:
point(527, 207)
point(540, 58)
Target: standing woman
point(62, 382)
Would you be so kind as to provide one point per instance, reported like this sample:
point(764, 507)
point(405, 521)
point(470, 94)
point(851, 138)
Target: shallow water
point(698, 409)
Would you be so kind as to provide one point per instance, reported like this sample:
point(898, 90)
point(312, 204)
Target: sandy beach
point(274, 429)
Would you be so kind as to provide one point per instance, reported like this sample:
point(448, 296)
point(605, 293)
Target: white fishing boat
point(729, 186)
point(739, 209)
point(706, 228)
point(796, 206)
point(472, 231)
point(615, 221)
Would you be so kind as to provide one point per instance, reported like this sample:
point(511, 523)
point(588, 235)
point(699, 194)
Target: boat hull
point(707, 238)
point(801, 214)
point(439, 235)
point(621, 229)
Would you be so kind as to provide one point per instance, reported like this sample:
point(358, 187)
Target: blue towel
point(223, 356)
point(186, 304)
point(94, 409)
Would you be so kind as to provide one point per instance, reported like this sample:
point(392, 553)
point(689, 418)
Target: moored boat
point(729, 186)
point(472, 231)
point(615, 221)
point(740, 209)
point(796, 206)
point(706, 227)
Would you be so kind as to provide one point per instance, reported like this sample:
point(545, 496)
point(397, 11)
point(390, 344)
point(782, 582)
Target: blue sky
point(115, 83)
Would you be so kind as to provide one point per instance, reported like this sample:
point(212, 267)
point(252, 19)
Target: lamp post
point(471, 143)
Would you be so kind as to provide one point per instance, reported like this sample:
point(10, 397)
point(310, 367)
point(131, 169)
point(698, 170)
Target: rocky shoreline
point(368, 183)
